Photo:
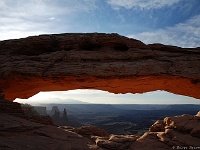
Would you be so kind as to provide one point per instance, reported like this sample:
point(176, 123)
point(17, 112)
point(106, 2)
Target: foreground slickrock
point(179, 132)
point(96, 60)
point(20, 134)
point(17, 132)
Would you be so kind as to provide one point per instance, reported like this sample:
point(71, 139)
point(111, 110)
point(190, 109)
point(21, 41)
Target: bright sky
point(104, 97)
point(171, 22)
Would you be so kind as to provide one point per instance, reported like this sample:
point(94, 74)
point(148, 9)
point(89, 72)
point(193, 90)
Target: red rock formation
point(107, 62)
point(175, 132)
point(170, 133)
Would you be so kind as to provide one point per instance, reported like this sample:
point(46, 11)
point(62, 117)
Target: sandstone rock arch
point(107, 62)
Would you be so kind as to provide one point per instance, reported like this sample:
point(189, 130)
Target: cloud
point(185, 34)
point(2, 5)
point(23, 18)
point(141, 4)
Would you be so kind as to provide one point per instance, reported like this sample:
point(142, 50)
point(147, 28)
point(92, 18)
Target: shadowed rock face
point(22, 134)
point(99, 61)
point(18, 132)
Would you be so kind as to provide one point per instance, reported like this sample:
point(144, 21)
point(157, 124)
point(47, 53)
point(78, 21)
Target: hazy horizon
point(86, 96)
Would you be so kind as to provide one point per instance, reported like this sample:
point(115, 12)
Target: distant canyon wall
point(107, 62)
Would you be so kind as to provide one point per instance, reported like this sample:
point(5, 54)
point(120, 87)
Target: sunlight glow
point(81, 96)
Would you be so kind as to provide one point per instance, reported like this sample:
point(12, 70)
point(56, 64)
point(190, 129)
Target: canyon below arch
point(109, 62)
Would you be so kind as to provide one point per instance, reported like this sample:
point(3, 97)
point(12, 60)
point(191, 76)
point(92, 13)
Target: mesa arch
point(101, 61)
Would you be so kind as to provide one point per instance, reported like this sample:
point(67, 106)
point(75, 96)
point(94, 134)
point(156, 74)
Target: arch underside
point(107, 62)
point(20, 88)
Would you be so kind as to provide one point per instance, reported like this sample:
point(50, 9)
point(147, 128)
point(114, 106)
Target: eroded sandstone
point(107, 62)
point(17, 132)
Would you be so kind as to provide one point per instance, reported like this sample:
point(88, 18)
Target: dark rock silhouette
point(56, 117)
point(53, 110)
point(21, 134)
point(29, 110)
point(59, 119)
point(41, 110)
point(64, 117)
point(11, 108)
